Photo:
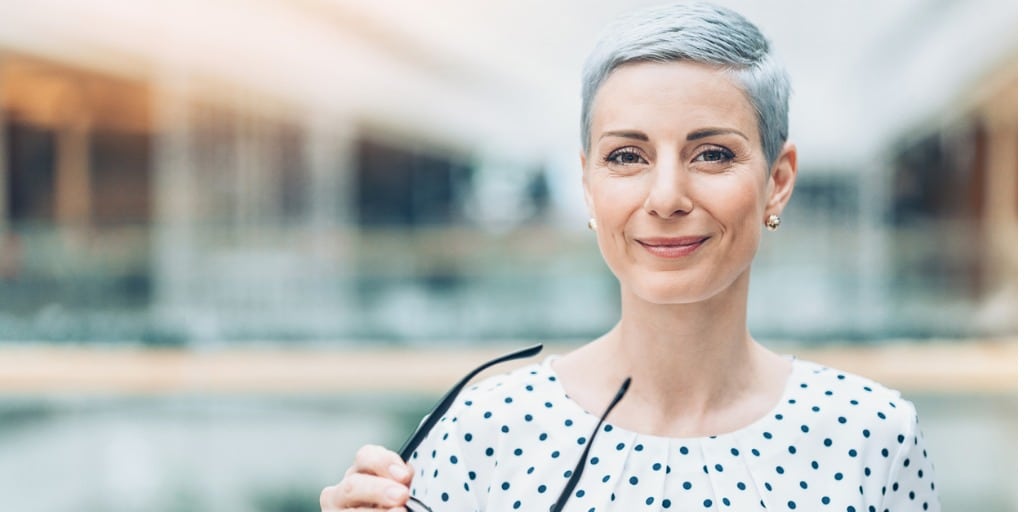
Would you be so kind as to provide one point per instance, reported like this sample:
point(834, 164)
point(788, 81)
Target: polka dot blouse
point(835, 441)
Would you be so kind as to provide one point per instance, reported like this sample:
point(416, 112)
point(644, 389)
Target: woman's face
point(677, 180)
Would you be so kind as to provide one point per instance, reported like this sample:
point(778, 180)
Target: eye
point(625, 156)
point(715, 155)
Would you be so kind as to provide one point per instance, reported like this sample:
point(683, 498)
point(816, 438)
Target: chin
point(664, 288)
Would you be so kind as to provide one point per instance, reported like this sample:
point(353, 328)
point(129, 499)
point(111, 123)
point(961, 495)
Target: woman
point(685, 157)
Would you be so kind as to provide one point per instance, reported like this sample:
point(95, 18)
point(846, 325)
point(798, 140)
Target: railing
point(413, 285)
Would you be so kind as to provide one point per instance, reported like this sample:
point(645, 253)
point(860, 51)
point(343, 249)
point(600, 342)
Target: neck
point(695, 368)
point(686, 359)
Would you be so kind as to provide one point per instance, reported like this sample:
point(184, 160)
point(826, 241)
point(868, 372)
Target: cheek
point(614, 202)
point(741, 216)
point(615, 199)
point(737, 201)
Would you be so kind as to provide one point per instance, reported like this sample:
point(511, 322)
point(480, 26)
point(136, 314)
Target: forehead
point(671, 95)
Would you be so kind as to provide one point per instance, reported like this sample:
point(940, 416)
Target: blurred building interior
point(342, 174)
point(335, 170)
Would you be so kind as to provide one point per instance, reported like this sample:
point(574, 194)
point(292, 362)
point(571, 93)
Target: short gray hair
point(701, 33)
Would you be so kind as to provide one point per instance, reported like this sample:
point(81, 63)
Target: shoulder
point(462, 450)
point(488, 423)
point(850, 397)
point(873, 422)
point(488, 407)
point(506, 387)
point(497, 398)
point(860, 432)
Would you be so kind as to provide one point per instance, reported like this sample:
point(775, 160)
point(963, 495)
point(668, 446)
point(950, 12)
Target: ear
point(586, 183)
point(782, 180)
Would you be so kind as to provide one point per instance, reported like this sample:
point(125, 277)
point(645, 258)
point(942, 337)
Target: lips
point(672, 247)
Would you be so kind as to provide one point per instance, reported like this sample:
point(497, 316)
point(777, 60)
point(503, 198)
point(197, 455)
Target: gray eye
point(626, 158)
point(714, 155)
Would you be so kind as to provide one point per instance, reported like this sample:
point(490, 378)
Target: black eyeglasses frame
point(446, 401)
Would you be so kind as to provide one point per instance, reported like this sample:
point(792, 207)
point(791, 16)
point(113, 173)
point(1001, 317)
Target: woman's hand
point(377, 480)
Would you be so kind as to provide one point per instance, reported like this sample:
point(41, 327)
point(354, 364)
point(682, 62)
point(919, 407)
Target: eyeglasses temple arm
point(446, 401)
point(580, 464)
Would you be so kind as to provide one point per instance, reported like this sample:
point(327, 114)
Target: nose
point(668, 194)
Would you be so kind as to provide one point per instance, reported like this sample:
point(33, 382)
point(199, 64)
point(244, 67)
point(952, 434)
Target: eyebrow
point(629, 134)
point(711, 132)
point(699, 134)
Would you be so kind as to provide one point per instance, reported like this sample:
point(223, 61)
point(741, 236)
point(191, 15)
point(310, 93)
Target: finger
point(379, 461)
point(394, 474)
point(406, 477)
point(329, 502)
point(396, 509)
point(362, 490)
point(327, 499)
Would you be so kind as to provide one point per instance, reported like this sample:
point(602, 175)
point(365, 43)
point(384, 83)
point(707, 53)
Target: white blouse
point(834, 442)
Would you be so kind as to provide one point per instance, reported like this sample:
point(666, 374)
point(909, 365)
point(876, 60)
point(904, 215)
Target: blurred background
point(238, 239)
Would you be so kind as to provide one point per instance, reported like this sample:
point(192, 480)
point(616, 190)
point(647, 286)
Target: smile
point(677, 247)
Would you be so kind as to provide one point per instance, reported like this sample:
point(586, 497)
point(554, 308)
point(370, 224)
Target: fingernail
point(395, 492)
point(399, 472)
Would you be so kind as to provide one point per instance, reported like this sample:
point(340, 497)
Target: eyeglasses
point(415, 505)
